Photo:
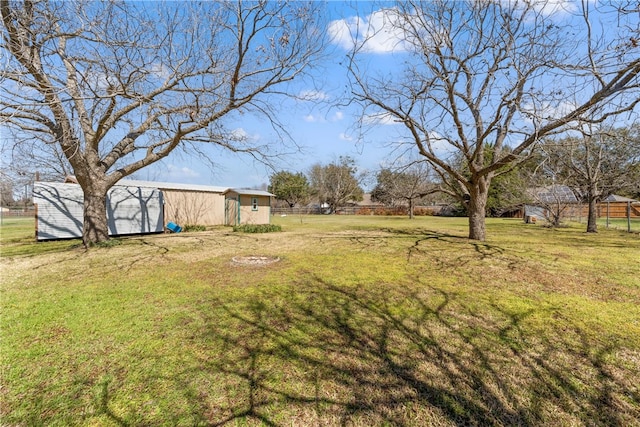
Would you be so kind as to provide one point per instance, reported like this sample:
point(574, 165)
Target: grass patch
point(194, 228)
point(364, 321)
point(257, 228)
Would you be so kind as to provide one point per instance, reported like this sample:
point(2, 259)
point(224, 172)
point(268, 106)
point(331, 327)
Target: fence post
point(629, 216)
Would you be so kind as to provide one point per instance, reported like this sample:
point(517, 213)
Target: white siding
point(134, 210)
point(59, 210)
point(130, 210)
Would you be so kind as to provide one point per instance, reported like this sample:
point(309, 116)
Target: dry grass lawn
point(363, 321)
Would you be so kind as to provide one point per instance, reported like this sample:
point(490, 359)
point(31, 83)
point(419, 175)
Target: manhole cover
point(255, 260)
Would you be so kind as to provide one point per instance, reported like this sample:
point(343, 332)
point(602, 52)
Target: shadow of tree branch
point(374, 355)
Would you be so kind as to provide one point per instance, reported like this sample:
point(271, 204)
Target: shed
point(188, 204)
point(247, 206)
point(130, 210)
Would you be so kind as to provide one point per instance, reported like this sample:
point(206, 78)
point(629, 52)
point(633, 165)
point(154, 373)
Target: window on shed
point(254, 203)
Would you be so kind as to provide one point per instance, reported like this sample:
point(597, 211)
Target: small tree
point(336, 183)
point(293, 188)
point(555, 200)
point(404, 187)
point(507, 192)
point(633, 189)
point(596, 163)
point(6, 191)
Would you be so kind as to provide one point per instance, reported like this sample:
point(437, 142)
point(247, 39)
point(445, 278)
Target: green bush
point(193, 227)
point(257, 228)
point(108, 243)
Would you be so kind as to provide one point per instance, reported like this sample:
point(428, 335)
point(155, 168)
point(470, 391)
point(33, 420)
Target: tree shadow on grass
point(481, 251)
point(321, 354)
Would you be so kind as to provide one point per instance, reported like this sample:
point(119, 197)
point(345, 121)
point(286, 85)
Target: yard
point(363, 321)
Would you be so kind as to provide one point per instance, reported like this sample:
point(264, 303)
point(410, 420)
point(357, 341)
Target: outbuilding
point(139, 207)
point(130, 210)
point(188, 204)
point(247, 206)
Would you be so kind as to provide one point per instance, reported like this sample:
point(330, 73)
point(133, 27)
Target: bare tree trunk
point(95, 228)
point(411, 206)
point(592, 216)
point(477, 229)
point(477, 206)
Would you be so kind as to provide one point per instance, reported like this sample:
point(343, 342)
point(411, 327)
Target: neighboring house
point(130, 210)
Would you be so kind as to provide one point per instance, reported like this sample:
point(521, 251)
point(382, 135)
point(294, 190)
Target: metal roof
point(556, 194)
point(172, 186)
point(248, 192)
point(616, 198)
point(186, 187)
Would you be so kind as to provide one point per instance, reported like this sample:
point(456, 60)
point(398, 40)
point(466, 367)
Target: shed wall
point(130, 210)
point(194, 207)
point(260, 216)
point(59, 210)
point(134, 210)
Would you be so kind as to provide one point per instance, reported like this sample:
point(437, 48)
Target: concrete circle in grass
point(255, 260)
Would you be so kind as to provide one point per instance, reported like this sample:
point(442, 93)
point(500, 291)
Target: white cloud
point(239, 134)
point(546, 111)
point(344, 137)
point(554, 7)
point(160, 71)
point(178, 173)
point(382, 31)
point(311, 118)
point(380, 119)
point(313, 95)
point(440, 146)
point(378, 32)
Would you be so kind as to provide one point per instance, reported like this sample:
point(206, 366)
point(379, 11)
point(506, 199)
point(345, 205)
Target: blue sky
point(322, 124)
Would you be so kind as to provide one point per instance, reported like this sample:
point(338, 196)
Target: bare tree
point(336, 183)
point(596, 163)
point(404, 186)
point(117, 86)
point(498, 74)
point(554, 202)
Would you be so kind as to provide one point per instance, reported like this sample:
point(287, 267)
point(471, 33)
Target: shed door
point(231, 212)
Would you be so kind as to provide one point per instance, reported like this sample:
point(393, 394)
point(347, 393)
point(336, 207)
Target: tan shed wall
point(249, 216)
point(193, 207)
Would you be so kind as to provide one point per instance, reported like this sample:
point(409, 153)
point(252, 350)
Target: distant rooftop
point(555, 194)
point(616, 198)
